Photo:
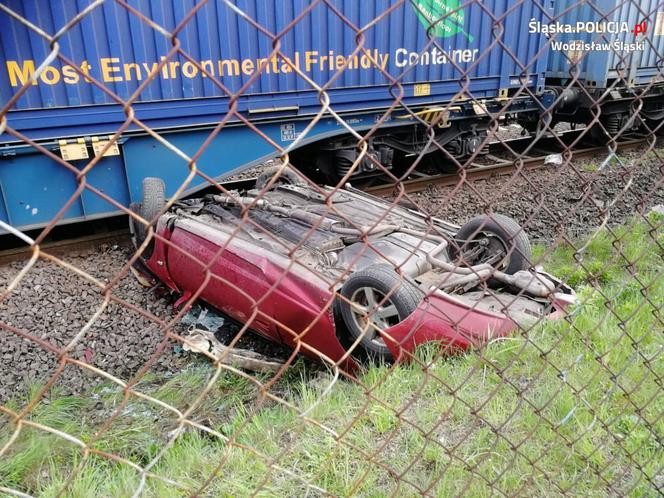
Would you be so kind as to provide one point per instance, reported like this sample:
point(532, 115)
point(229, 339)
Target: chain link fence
point(418, 347)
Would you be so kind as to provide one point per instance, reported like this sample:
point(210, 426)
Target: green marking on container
point(431, 12)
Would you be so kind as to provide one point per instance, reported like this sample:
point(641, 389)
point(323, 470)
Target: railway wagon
point(437, 59)
point(607, 51)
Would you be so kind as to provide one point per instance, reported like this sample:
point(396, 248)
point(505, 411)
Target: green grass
point(592, 165)
point(569, 408)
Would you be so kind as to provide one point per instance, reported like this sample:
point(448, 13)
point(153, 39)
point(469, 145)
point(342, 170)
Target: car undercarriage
point(344, 275)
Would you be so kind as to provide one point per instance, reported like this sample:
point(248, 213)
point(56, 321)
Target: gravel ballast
point(557, 200)
point(54, 303)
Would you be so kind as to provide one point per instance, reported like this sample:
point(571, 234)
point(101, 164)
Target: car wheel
point(287, 177)
point(498, 240)
point(380, 299)
point(154, 197)
point(152, 202)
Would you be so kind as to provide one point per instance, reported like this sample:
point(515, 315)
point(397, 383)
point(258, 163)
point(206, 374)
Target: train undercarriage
point(440, 139)
point(448, 136)
point(395, 150)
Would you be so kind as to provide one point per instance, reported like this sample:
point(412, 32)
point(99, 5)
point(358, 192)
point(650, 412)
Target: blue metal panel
point(36, 188)
point(4, 214)
point(120, 50)
point(33, 188)
point(146, 157)
point(235, 148)
point(109, 177)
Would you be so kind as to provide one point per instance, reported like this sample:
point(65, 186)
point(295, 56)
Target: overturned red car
point(343, 275)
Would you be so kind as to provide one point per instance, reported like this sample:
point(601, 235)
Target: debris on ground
point(204, 341)
point(202, 317)
point(555, 159)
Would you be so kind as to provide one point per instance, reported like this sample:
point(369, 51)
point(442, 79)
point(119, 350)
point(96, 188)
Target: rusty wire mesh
point(555, 407)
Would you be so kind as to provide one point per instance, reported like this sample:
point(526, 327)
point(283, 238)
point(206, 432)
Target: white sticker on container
point(288, 133)
point(659, 24)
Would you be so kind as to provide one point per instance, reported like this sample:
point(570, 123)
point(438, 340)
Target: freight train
point(299, 76)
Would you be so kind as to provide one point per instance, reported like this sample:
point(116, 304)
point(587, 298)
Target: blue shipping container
point(467, 55)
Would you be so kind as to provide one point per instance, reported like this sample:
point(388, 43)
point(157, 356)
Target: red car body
point(231, 266)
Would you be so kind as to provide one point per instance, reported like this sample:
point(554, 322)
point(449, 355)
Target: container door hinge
point(98, 144)
point(73, 149)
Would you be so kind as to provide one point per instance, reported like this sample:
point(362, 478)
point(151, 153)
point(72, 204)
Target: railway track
point(66, 245)
point(530, 156)
point(534, 159)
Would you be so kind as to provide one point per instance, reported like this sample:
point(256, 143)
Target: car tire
point(154, 197)
point(287, 177)
point(510, 234)
point(152, 202)
point(380, 281)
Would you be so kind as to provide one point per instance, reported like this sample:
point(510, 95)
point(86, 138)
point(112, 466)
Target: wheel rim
point(371, 312)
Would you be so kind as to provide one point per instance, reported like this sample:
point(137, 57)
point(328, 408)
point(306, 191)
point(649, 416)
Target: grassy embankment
point(561, 409)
